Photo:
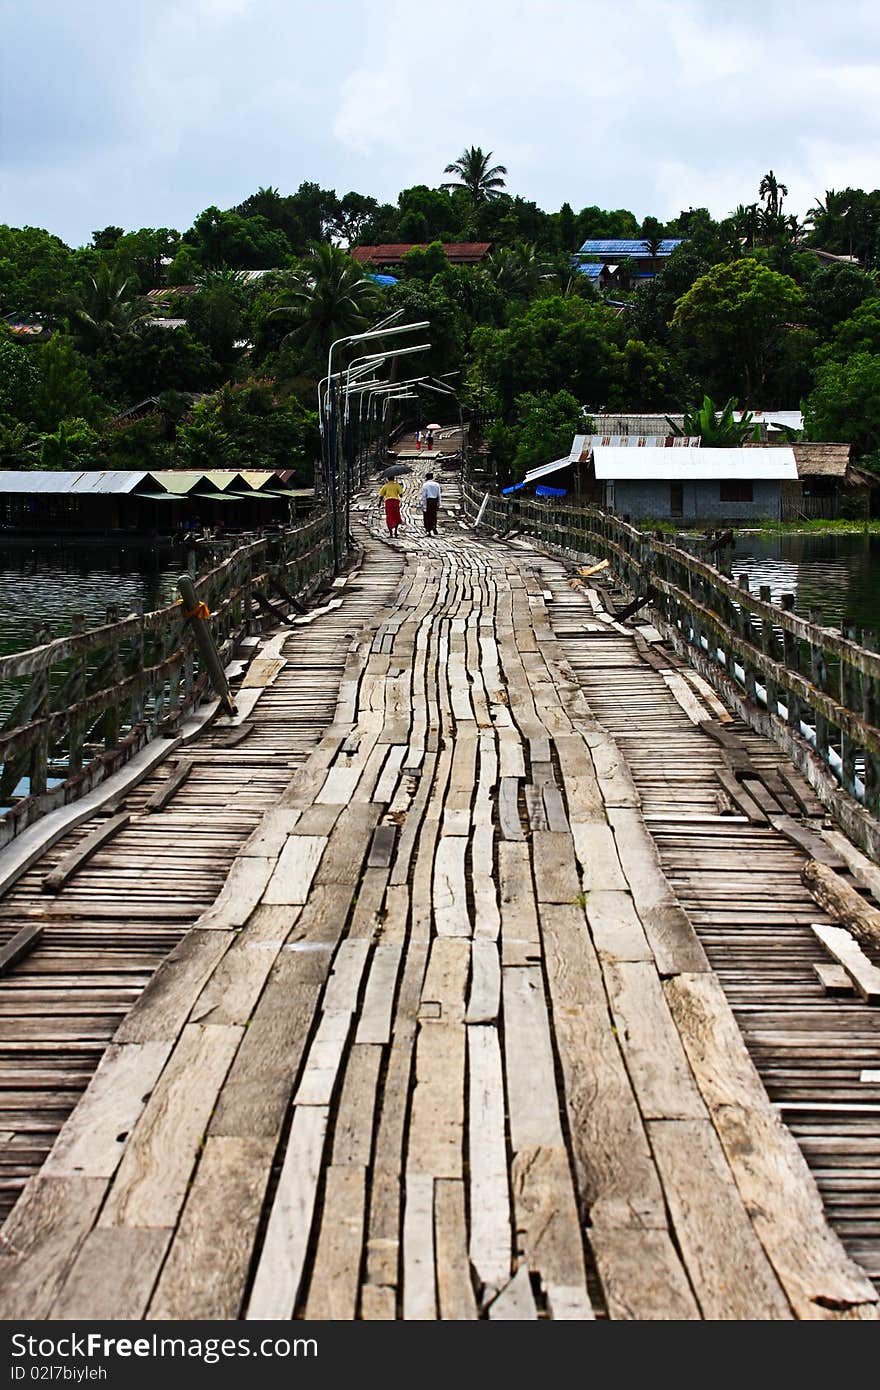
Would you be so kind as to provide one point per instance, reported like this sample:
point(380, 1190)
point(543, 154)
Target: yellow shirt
point(390, 489)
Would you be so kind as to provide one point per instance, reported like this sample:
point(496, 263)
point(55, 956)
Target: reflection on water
point(46, 584)
point(839, 574)
point(43, 584)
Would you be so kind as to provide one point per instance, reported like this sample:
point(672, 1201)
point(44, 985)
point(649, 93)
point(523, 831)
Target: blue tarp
point(384, 279)
point(516, 487)
point(542, 491)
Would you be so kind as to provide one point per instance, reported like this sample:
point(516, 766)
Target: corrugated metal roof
point(792, 419)
point(695, 465)
point(224, 477)
point(627, 246)
point(466, 252)
point(176, 480)
point(819, 460)
point(51, 483)
point(546, 468)
point(584, 444)
point(592, 269)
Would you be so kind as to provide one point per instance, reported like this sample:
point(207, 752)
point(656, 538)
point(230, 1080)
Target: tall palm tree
point(109, 310)
point(327, 298)
point(476, 176)
point(745, 219)
point(773, 192)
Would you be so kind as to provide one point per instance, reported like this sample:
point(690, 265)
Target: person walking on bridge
point(430, 504)
point(390, 493)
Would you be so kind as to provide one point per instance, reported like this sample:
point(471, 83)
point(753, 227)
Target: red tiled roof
point(392, 252)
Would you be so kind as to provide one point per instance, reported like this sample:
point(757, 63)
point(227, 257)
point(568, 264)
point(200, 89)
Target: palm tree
point(745, 219)
point(327, 298)
point(773, 192)
point(518, 270)
point(475, 175)
point(109, 310)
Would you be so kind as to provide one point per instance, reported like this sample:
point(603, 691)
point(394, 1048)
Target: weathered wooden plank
point(353, 1129)
point(171, 786)
point(654, 1055)
point(333, 1285)
point(419, 1289)
point(243, 889)
point(455, 1294)
point(378, 1303)
point(847, 952)
point(91, 1142)
point(532, 1101)
point(547, 1225)
point(449, 889)
point(374, 1025)
point(282, 1260)
point(729, 1272)
point(323, 1060)
point(770, 1171)
point(162, 1010)
point(615, 927)
point(71, 863)
point(515, 1302)
point(667, 926)
point(292, 874)
point(436, 1130)
point(833, 979)
point(555, 869)
point(113, 1274)
point(597, 855)
point(842, 901)
point(490, 1228)
point(641, 1275)
point(206, 1271)
point(152, 1178)
point(19, 946)
point(484, 997)
point(41, 1239)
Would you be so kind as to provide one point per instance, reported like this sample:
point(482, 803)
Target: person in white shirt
point(431, 504)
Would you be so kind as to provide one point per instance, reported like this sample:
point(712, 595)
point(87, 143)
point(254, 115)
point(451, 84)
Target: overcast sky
point(143, 112)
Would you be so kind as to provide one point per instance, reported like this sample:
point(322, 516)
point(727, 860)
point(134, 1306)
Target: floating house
point(111, 503)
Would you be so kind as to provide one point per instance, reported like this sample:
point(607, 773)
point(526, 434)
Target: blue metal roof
point(627, 247)
point(591, 268)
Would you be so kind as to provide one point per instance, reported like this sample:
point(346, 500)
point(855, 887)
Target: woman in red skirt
point(390, 493)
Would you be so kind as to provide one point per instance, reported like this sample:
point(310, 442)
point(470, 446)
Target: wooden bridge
point(494, 988)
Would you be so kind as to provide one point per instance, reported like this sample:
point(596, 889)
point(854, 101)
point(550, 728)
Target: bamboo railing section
point(85, 703)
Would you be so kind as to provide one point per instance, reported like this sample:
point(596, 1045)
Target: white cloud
point(652, 105)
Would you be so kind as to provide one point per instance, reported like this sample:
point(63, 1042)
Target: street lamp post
point(331, 437)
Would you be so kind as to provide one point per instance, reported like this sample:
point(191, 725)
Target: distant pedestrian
point(390, 493)
point(418, 439)
point(430, 504)
point(429, 439)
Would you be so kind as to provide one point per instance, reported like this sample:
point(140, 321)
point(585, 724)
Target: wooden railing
point(818, 687)
point(87, 702)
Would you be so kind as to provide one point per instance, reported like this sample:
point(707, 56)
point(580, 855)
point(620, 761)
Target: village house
point(628, 259)
point(389, 255)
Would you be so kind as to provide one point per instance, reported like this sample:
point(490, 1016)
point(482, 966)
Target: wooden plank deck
point(446, 1044)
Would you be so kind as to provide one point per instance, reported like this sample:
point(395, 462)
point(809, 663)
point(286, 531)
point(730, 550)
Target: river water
point(834, 572)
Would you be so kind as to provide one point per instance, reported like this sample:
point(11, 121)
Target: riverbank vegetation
point(202, 348)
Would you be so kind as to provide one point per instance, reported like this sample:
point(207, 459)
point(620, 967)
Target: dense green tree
point(555, 344)
point(354, 212)
point(845, 404)
point(542, 429)
point(74, 444)
point(595, 222)
point(142, 255)
point(224, 239)
point(424, 264)
point(654, 306)
point(158, 359)
point(835, 292)
point(735, 319)
point(218, 314)
point(65, 389)
point(19, 381)
point(106, 240)
point(640, 376)
point(38, 273)
point(476, 175)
